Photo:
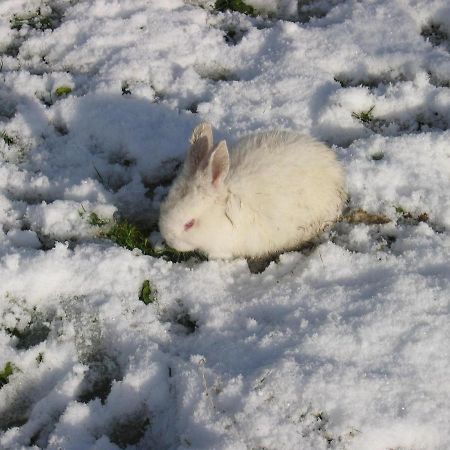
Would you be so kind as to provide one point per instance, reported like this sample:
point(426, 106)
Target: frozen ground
point(343, 346)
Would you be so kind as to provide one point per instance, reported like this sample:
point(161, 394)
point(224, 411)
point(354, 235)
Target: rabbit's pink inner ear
point(219, 163)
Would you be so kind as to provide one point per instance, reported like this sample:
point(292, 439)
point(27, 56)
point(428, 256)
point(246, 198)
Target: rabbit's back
point(267, 155)
point(287, 188)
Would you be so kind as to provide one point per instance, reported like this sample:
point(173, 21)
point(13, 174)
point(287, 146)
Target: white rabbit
point(274, 191)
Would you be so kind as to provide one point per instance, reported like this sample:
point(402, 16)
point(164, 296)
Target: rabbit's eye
point(189, 224)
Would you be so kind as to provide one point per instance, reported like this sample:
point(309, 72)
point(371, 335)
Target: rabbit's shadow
point(260, 264)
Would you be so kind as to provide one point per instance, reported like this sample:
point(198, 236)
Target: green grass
point(147, 293)
point(7, 371)
point(234, 5)
point(36, 20)
point(6, 138)
point(404, 214)
point(61, 91)
point(130, 236)
point(93, 218)
point(365, 116)
point(31, 335)
point(96, 221)
point(399, 210)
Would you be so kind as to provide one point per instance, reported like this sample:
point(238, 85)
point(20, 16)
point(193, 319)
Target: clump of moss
point(378, 156)
point(234, 5)
point(6, 138)
point(147, 293)
point(41, 19)
point(6, 373)
point(61, 91)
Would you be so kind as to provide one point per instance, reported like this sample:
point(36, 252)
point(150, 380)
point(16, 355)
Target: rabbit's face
point(188, 215)
point(193, 214)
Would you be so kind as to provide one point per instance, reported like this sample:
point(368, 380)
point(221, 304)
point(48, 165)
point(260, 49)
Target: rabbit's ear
point(201, 145)
point(219, 163)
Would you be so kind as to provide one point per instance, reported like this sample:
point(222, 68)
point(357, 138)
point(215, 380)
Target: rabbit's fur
point(273, 192)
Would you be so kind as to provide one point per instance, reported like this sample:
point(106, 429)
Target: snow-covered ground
point(343, 346)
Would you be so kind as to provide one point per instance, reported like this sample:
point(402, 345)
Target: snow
point(341, 346)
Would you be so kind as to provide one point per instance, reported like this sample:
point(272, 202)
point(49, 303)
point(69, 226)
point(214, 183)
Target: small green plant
point(401, 211)
point(96, 221)
point(147, 294)
point(61, 91)
point(6, 373)
point(404, 214)
point(93, 218)
point(365, 116)
point(234, 5)
point(38, 19)
point(7, 138)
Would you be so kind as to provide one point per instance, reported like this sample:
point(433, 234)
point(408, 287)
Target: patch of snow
point(343, 345)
